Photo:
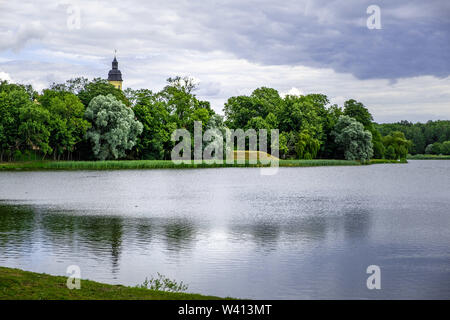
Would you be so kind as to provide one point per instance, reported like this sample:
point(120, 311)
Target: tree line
point(432, 137)
point(85, 119)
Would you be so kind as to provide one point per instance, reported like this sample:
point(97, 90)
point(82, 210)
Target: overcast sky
point(401, 71)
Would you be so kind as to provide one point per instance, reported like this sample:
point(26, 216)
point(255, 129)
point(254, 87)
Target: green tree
point(445, 148)
point(158, 125)
point(282, 144)
point(238, 111)
point(291, 144)
point(306, 146)
point(300, 113)
point(421, 134)
point(217, 127)
point(329, 149)
point(183, 104)
point(114, 128)
point(429, 149)
point(359, 112)
point(18, 121)
point(377, 141)
point(74, 86)
point(436, 148)
point(390, 153)
point(67, 124)
point(400, 144)
point(96, 87)
point(353, 139)
point(33, 128)
point(265, 103)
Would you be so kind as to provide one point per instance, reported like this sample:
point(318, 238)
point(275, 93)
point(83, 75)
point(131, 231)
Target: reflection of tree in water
point(354, 222)
point(144, 231)
point(58, 229)
point(17, 224)
point(103, 234)
point(15, 219)
point(97, 234)
point(179, 234)
point(357, 223)
point(265, 234)
point(307, 228)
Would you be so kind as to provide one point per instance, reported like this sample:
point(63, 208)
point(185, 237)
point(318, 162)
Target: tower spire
point(114, 75)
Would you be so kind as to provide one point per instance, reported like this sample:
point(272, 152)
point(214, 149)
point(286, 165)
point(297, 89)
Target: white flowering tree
point(114, 128)
point(353, 139)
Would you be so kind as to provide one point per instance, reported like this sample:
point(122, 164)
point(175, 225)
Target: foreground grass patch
point(18, 284)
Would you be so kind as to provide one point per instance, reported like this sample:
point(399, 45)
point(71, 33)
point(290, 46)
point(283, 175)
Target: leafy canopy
point(114, 128)
point(353, 139)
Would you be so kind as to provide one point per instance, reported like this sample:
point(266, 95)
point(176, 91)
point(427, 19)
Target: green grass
point(428, 157)
point(17, 284)
point(379, 161)
point(164, 164)
point(317, 163)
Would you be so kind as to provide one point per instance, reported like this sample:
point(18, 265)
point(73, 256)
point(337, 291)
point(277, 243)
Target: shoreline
point(428, 157)
point(17, 284)
point(168, 164)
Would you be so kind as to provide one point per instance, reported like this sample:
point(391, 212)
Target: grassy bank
point(164, 164)
point(428, 157)
point(18, 284)
point(379, 161)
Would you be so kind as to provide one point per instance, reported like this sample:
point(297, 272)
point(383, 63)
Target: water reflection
point(104, 237)
point(357, 224)
point(179, 235)
point(16, 230)
point(304, 233)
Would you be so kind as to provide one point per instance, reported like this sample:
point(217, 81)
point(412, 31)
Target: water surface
point(303, 233)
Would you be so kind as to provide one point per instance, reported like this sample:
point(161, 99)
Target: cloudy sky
point(401, 71)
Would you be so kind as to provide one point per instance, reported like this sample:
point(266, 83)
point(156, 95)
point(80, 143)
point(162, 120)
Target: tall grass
point(318, 162)
point(379, 161)
point(428, 157)
point(155, 164)
point(168, 164)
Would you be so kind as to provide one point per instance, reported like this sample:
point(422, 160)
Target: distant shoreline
point(428, 157)
point(168, 164)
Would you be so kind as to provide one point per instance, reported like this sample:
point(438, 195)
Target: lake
point(302, 233)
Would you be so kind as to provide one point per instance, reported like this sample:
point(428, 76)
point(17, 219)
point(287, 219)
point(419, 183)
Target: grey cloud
point(235, 46)
point(334, 35)
point(16, 39)
point(414, 41)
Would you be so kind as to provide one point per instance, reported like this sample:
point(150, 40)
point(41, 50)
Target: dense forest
point(85, 119)
point(426, 138)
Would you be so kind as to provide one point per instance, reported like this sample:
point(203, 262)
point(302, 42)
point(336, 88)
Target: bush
point(162, 283)
point(445, 148)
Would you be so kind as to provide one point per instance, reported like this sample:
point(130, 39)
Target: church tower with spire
point(114, 75)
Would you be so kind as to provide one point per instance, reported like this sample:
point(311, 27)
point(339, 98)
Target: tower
point(114, 75)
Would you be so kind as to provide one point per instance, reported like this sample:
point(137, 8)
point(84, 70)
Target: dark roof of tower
point(114, 74)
